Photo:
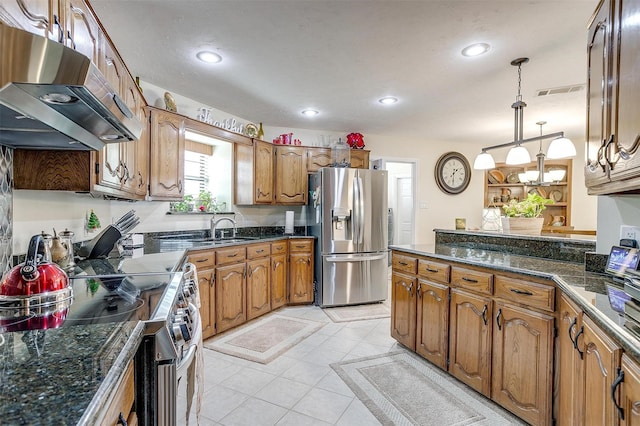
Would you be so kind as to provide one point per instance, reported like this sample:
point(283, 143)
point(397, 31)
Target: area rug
point(264, 339)
point(400, 388)
point(358, 312)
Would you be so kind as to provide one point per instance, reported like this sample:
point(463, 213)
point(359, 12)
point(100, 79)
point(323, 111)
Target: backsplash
point(6, 207)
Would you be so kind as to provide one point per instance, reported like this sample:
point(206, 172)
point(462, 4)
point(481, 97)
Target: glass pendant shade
point(518, 155)
point(484, 161)
point(557, 175)
point(561, 148)
point(532, 175)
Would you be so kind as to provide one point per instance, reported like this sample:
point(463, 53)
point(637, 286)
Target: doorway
point(401, 199)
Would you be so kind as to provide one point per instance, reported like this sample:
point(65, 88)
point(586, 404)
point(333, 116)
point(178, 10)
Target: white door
point(404, 211)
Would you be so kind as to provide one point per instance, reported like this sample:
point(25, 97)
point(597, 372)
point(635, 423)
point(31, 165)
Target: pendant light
point(560, 147)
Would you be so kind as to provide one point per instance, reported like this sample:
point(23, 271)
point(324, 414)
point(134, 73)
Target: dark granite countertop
point(587, 289)
point(67, 375)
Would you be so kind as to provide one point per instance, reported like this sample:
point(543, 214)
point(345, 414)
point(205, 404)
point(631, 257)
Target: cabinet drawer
point(301, 246)
point(481, 282)
point(230, 255)
point(202, 259)
point(527, 293)
point(279, 247)
point(434, 271)
point(258, 250)
point(400, 262)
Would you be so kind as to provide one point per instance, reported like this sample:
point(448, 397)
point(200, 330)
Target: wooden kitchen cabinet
point(279, 254)
point(613, 89)
point(359, 159)
point(253, 173)
point(630, 392)
point(588, 365)
point(167, 155)
point(318, 158)
point(522, 362)
point(290, 175)
point(121, 406)
point(204, 261)
point(301, 271)
point(40, 17)
point(231, 298)
point(432, 322)
point(470, 329)
point(82, 30)
point(403, 309)
point(258, 280)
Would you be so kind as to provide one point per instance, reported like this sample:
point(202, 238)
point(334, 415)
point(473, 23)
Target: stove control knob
point(178, 335)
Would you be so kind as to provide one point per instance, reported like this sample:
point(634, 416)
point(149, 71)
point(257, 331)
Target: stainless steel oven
point(169, 360)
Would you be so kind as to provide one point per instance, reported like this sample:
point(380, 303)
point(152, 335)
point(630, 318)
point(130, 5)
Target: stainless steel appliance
point(347, 213)
point(52, 97)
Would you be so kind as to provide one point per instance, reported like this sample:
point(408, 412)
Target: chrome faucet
point(214, 226)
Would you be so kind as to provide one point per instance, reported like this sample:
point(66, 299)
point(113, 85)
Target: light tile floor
point(299, 387)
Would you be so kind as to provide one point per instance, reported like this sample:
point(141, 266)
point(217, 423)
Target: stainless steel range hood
point(52, 97)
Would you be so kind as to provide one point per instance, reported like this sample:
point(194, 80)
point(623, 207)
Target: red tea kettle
point(35, 276)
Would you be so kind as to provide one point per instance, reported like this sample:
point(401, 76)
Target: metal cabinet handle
point(180, 185)
point(498, 319)
point(56, 22)
point(432, 270)
point(470, 280)
point(409, 287)
point(259, 251)
point(202, 260)
point(418, 288)
point(484, 314)
point(73, 43)
point(575, 342)
point(614, 388)
point(232, 255)
point(122, 421)
point(403, 263)
point(522, 292)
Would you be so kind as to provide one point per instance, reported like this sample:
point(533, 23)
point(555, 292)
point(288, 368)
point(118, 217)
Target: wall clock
point(452, 173)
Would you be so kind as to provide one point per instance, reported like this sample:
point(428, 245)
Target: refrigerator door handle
point(355, 258)
point(359, 209)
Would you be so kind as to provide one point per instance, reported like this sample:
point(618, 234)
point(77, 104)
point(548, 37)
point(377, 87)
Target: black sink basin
point(198, 238)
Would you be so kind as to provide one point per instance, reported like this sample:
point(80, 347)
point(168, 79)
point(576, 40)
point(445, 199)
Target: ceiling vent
point(559, 90)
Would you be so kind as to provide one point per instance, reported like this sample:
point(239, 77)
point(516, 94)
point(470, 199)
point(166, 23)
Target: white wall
point(612, 213)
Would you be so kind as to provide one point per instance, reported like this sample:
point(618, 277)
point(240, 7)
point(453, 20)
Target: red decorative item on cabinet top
point(355, 140)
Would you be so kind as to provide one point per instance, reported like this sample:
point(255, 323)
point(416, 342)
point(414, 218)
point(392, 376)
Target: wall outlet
point(630, 232)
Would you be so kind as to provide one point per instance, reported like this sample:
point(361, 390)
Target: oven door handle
point(186, 360)
point(196, 338)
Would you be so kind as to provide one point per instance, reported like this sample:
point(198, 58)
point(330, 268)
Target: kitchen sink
point(198, 238)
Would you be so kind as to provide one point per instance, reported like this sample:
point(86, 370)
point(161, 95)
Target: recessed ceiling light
point(209, 57)
point(310, 112)
point(476, 49)
point(388, 100)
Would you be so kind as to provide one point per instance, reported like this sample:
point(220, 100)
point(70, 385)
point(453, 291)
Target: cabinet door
point(278, 280)
point(142, 154)
point(570, 389)
point(231, 299)
point(432, 322)
point(626, 95)
point(36, 16)
point(82, 30)
point(522, 362)
point(403, 309)
point(263, 172)
point(470, 340)
point(291, 175)
point(167, 156)
point(601, 360)
point(359, 159)
point(598, 96)
point(317, 158)
point(135, 155)
point(300, 278)
point(207, 301)
point(630, 395)
point(258, 287)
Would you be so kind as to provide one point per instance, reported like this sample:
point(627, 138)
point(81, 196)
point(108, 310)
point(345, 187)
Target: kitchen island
point(542, 337)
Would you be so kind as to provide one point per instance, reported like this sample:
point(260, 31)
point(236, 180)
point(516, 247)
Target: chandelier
point(560, 147)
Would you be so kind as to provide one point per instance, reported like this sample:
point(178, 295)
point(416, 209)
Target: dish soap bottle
point(260, 132)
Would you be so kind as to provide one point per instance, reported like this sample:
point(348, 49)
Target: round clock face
point(452, 173)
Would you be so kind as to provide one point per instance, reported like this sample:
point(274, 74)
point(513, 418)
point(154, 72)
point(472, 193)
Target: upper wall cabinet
point(81, 29)
point(40, 17)
point(613, 100)
point(167, 155)
point(253, 173)
point(290, 175)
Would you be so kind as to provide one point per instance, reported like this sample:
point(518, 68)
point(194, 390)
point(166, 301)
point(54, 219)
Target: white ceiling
point(340, 56)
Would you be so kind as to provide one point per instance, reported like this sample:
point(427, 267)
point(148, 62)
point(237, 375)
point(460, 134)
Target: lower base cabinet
point(300, 271)
point(258, 287)
point(432, 322)
point(121, 407)
point(629, 407)
point(231, 297)
point(470, 340)
point(278, 280)
point(403, 310)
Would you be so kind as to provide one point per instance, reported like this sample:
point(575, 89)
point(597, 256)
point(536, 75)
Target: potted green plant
point(525, 217)
point(204, 201)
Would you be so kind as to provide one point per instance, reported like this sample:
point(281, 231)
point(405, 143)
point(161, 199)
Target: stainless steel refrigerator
point(347, 213)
